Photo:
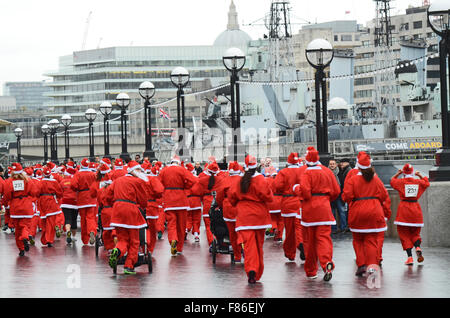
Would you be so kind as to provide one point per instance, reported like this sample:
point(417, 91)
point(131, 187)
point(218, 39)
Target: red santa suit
point(252, 218)
point(18, 193)
point(155, 189)
point(35, 220)
point(366, 217)
point(119, 170)
point(87, 205)
point(409, 219)
point(229, 211)
point(201, 189)
point(194, 213)
point(175, 180)
point(50, 194)
point(318, 187)
point(128, 195)
point(275, 205)
point(290, 203)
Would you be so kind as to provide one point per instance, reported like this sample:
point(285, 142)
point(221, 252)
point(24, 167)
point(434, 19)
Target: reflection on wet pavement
point(74, 271)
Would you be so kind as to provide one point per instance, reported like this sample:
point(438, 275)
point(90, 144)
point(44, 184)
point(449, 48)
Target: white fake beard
point(141, 175)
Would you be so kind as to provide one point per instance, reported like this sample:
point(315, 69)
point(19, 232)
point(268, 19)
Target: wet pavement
point(74, 271)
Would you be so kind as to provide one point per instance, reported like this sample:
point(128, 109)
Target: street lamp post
point(234, 61)
point(45, 131)
point(54, 125)
point(106, 110)
point(319, 54)
point(147, 91)
point(66, 120)
point(180, 78)
point(123, 101)
point(18, 132)
point(438, 14)
point(91, 115)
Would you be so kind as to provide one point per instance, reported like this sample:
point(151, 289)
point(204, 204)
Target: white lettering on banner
point(397, 146)
point(411, 190)
point(19, 185)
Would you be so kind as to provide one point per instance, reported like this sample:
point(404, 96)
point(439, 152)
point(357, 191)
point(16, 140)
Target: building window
point(417, 24)
point(336, 38)
point(404, 27)
point(346, 37)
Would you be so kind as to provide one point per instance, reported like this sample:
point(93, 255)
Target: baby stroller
point(221, 243)
point(144, 255)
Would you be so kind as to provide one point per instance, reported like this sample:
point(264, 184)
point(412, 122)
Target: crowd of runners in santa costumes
point(293, 201)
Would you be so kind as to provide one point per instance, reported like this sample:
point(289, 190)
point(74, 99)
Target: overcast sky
point(35, 33)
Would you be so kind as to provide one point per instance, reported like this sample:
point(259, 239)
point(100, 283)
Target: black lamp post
point(234, 61)
point(439, 19)
point(180, 78)
point(45, 131)
point(319, 54)
point(123, 101)
point(66, 120)
point(91, 115)
point(106, 110)
point(147, 91)
point(18, 132)
point(54, 125)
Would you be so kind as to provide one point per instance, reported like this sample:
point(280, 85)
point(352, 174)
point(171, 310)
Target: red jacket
point(318, 187)
point(126, 195)
point(223, 188)
point(19, 201)
point(175, 180)
point(155, 189)
point(69, 198)
point(409, 212)
point(117, 173)
point(284, 183)
point(366, 214)
point(275, 205)
point(201, 189)
point(50, 193)
point(252, 211)
point(81, 183)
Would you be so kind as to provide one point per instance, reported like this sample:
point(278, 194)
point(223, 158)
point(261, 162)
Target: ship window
point(374, 129)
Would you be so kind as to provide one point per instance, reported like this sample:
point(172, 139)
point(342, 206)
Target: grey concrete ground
point(74, 271)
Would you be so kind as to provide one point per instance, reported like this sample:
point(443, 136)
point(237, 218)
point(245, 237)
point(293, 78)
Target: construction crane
point(88, 21)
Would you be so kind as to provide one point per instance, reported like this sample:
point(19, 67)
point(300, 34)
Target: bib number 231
point(411, 190)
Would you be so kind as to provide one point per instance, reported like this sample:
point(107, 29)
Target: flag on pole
point(163, 114)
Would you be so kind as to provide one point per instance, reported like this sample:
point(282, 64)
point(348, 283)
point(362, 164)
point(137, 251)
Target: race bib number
point(411, 190)
point(18, 185)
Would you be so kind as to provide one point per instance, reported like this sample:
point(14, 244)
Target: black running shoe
point(26, 246)
point(22, 253)
point(251, 277)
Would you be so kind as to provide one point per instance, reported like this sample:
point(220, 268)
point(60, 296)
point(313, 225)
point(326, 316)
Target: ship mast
point(385, 83)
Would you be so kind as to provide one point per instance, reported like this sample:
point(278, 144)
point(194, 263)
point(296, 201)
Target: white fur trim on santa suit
point(295, 186)
point(229, 220)
point(318, 223)
point(289, 215)
point(152, 217)
point(253, 227)
point(53, 213)
point(376, 230)
point(118, 168)
point(22, 216)
point(314, 168)
point(408, 175)
point(17, 172)
point(176, 208)
point(195, 208)
point(69, 206)
point(127, 226)
point(86, 206)
point(293, 166)
point(131, 169)
point(309, 163)
point(274, 211)
point(408, 224)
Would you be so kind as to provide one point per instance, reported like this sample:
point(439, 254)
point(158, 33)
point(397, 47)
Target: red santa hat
point(211, 159)
point(118, 162)
point(70, 164)
point(16, 168)
point(133, 165)
point(106, 161)
point(29, 171)
point(189, 167)
point(175, 159)
point(85, 163)
point(234, 168)
point(408, 169)
point(39, 174)
point(213, 168)
point(104, 168)
point(154, 170)
point(158, 163)
point(293, 158)
point(70, 171)
point(38, 166)
point(51, 165)
point(312, 157)
point(250, 162)
point(364, 161)
point(47, 171)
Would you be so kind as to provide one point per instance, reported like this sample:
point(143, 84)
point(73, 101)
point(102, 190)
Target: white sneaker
point(8, 231)
point(312, 277)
